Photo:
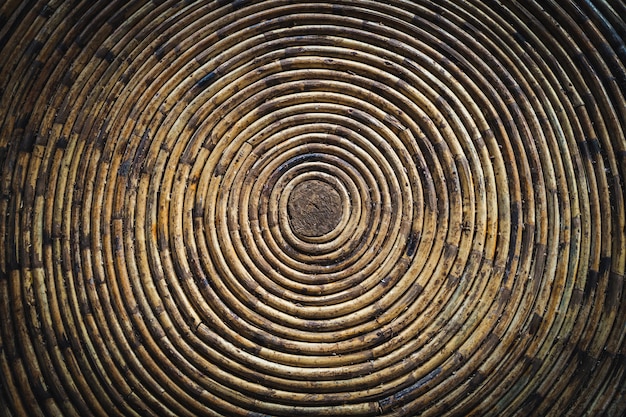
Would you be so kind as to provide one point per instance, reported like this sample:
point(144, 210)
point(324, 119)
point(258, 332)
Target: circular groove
point(312, 208)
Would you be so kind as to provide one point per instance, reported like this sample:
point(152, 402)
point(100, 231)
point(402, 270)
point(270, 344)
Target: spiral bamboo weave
point(312, 208)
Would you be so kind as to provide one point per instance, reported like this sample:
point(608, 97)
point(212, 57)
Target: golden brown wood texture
point(309, 208)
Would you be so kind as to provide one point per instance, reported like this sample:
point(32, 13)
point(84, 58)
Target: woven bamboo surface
point(308, 208)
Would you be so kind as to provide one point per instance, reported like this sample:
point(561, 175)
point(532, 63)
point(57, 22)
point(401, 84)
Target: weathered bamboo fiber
point(306, 208)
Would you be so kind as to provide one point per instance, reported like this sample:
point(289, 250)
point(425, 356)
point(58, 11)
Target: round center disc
point(314, 208)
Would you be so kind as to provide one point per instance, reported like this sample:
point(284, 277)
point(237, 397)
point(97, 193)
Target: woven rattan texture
point(309, 208)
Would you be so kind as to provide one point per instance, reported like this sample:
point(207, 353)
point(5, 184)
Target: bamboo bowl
point(290, 208)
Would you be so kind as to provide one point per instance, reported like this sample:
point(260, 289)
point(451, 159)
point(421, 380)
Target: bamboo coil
point(277, 207)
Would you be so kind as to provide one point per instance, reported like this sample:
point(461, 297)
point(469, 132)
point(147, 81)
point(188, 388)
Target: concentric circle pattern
point(309, 208)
